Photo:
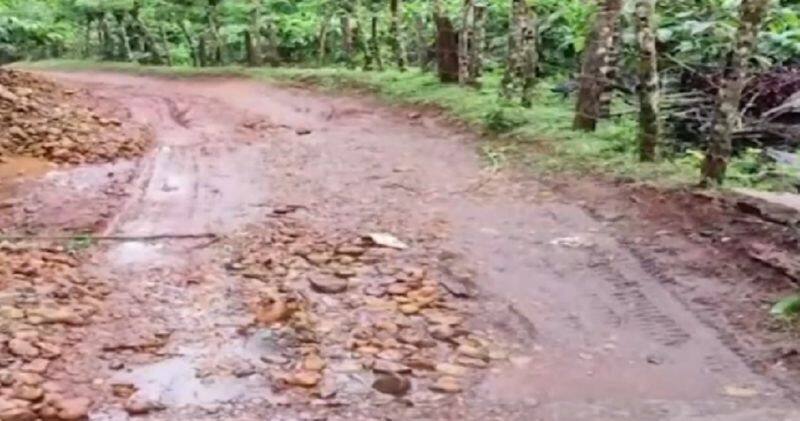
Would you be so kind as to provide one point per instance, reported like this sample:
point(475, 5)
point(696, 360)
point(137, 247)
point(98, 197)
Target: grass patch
point(540, 137)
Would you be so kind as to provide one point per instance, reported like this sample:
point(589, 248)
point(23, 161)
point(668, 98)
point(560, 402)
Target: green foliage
point(787, 308)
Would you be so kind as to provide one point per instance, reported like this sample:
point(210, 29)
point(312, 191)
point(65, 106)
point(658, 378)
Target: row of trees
point(605, 43)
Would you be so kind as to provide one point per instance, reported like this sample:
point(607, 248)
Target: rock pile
point(44, 298)
point(40, 119)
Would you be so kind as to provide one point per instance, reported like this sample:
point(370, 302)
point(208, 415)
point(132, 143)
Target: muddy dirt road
point(536, 310)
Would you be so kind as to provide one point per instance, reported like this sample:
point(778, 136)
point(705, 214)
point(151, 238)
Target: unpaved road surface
point(539, 312)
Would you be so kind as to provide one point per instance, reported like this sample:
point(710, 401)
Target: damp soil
point(596, 301)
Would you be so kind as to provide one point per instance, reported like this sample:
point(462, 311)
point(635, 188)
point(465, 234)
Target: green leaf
point(787, 307)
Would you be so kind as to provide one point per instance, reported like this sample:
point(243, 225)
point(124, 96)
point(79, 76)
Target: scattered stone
point(304, 378)
point(451, 369)
point(74, 409)
point(328, 285)
point(389, 367)
point(386, 240)
point(314, 362)
point(17, 414)
point(38, 366)
point(141, 404)
point(409, 309)
point(473, 352)
point(328, 389)
point(446, 384)
point(472, 362)
point(302, 131)
point(392, 384)
point(22, 348)
point(47, 315)
point(28, 392)
point(275, 359)
point(116, 365)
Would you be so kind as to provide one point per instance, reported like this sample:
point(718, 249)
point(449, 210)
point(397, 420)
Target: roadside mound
point(40, 119)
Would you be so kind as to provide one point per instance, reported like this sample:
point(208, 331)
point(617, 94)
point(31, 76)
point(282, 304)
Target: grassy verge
point(539, 137)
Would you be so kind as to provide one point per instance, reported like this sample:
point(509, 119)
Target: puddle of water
point(180, 381)
point(137, 253)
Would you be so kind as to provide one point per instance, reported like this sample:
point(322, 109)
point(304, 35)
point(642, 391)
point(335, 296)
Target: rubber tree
point(396, 36)
point(595, 69)
point(511, 83)
point(212, 19)
point(254, 57)
point(478, 42)
point(530, 56)
point(648, 80)
point(464, 41)
point(726, 115)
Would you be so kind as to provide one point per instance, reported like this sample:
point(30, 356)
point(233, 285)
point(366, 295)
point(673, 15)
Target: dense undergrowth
point(540, 138)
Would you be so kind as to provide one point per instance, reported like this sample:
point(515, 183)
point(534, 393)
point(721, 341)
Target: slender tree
point(729, 96)
point(478, 42)
point(648, 80)
point(396, 37)
point(512, 78)
point(530, 57)
point(464, 40)
point(594, 72)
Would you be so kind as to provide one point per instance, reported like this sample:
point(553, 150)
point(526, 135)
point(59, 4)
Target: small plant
point(503, 118)
point(80, 242)
point(787, 308)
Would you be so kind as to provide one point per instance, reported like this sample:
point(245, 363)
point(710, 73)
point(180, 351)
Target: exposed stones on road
point(368, 302)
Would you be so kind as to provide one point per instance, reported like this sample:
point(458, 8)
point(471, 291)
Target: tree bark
point(464, 40)
point(122, 33)
point(726, 116)
point(108, 40)
point(213, 25)
point(594, 70)
point(530, 57)
point(396, 37)
point(273, 54)
point(649, 129)
point(609, 74)
point(511, 83)
point(193, 46)
point(478, 42)
point(347, 40)
point(375, 45)
point(422, 44)
point(323, 39)
point(253, 45)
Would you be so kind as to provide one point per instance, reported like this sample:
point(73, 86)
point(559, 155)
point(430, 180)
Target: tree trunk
point(422, 44)
point(726, 116)
point(253, 45)
point(272, 54)
point(648, 80)
point(464, 41)
point(610, 73)
point(447, 50)
point(193, 46)
point(213, 25)
point(202, 50)
point(108, 39)
point(596, 57)
point(478, 42)
point(511, 84)
point(396, 34)
point(530, 57)
point(165, 45)
point(347, 40)
point(375, 44)
point(87, 41)
point(323, 39)
point(122, 33)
